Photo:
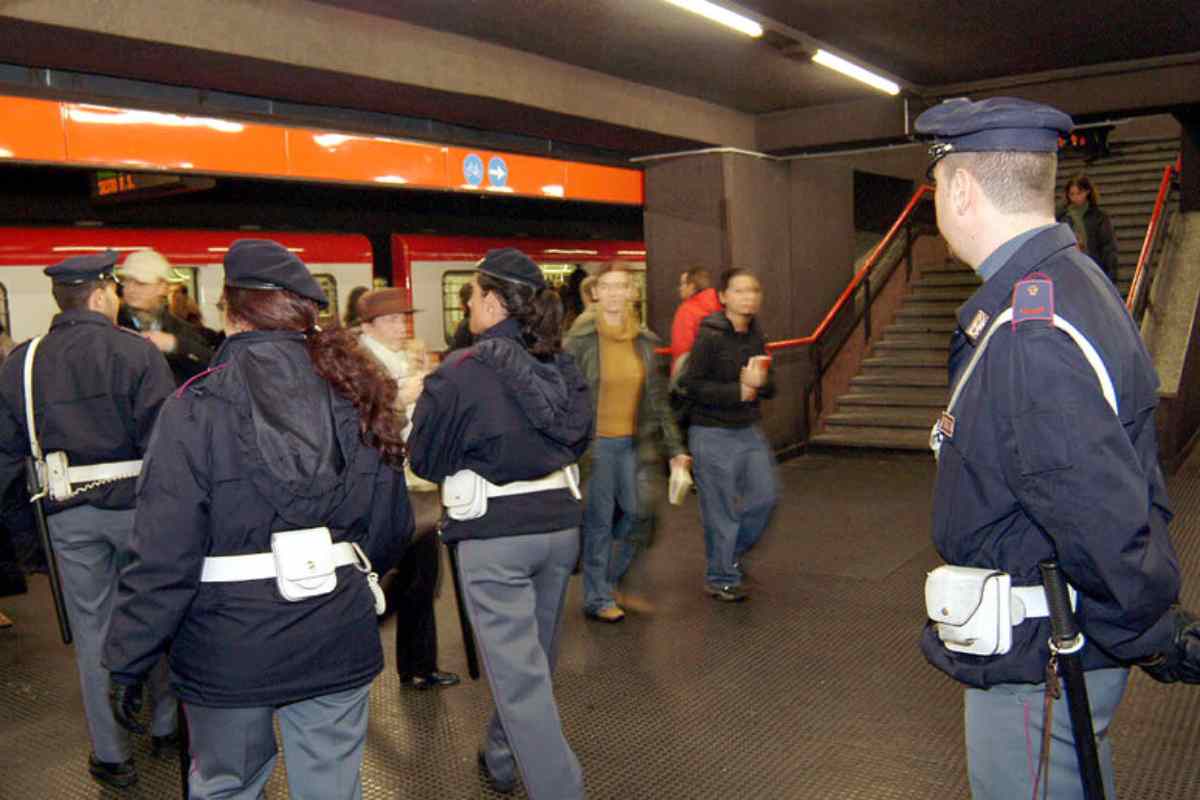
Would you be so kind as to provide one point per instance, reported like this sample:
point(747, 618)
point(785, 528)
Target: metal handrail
point(1139, 273)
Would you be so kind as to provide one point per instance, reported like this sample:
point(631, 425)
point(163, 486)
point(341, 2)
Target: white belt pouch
point(465, 493)
point(304, 563)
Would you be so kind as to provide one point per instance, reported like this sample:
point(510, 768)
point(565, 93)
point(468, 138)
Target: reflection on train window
point(4, 318)
point(452, 311)
point(329, 315)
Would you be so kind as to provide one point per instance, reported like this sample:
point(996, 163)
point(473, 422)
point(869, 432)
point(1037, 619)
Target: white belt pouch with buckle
point(975, 609)
point(303, 563)
point(466, 492)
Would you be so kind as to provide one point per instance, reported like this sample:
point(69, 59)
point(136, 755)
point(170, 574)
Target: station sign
point(111, 186)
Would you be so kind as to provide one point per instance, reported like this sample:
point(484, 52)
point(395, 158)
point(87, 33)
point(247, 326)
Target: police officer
point(97, 390)
point(1047, 450)
point(498, 422)
point(273, 486)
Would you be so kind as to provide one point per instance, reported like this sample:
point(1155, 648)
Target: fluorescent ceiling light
point(721, 15)
point(843, 66)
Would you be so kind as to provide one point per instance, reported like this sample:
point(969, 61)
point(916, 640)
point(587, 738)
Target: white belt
point(555, 480)
point(260, 566)
point(115, 470)
point(1033, 602)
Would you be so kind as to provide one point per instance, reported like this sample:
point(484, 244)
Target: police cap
point(511, 264)
point(997, 123)
point(264, 264)
point(82, 269)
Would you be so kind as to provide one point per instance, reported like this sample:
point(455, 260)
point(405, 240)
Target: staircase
point(902, 385)
point(1127, 181)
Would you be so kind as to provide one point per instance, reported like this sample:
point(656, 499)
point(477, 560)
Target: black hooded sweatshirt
point(259, 444)
point(496, 409)
point(711, 379)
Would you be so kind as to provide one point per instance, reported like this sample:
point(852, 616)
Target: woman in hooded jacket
point(271, 494)
point(501, 424)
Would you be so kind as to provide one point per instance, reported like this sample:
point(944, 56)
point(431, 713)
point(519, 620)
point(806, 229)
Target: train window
point(184, 280)
point(452, 313)
point(329, 315)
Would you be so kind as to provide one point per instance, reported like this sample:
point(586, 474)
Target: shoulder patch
point(977, 325)
point(179, 392)
point(1033, 299)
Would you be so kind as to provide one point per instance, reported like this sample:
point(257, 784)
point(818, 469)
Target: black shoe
point(119, 775)
point(726, 593)
point(163, 746)
point(430, 680)
point(490, 779)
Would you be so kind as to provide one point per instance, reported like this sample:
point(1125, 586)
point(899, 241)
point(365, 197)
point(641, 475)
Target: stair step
point(908, 358)
point(901, 376)
point(927, 397)
point(882, 417)
point(943, 325)
point(924, 294)
point(931, 280)
point(914, 341)
point(916, 311)
point(882, 438)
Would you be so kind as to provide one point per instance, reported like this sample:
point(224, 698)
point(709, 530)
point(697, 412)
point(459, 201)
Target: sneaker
point(430, 680)
point(119, 775)
point(726, 593)
point(609, 614)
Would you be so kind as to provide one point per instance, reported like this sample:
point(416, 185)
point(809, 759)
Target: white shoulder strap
point(1089, 352)
point(34, 446)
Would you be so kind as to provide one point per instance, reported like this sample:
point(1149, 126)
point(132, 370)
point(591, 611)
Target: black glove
point(126, 702)
point(1182, 661)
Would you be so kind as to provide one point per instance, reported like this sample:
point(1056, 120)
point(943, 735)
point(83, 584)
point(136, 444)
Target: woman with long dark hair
point(501, 424)
point(1093, 229)
point(271, 494)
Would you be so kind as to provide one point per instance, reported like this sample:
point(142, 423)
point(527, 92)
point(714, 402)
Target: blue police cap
point(511, 264)
point(997, 123)
point(264, 264)
point(82, 269)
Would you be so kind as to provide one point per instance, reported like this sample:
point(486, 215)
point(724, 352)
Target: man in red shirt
point(699, 300)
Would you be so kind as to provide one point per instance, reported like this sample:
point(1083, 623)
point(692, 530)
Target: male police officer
point(96, 392)
point(1047, 450)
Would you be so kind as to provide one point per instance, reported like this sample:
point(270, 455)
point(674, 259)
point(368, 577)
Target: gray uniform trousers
point(234, 752)
point(514, 589)
point(92, 547)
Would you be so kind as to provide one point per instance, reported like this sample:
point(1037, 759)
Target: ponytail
point(539, 313)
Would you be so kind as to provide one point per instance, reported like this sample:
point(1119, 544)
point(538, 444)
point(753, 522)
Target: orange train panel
point(504, 173)
point(604, 184)
point(33, 130)
point(323, 155)
point(136, 139)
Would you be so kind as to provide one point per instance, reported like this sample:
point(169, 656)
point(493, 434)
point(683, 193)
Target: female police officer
point(498, 423)
point(267, 485)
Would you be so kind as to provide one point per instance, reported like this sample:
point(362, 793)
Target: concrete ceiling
point(925, 43)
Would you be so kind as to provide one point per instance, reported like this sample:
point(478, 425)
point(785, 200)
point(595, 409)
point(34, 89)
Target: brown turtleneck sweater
point(621, 377)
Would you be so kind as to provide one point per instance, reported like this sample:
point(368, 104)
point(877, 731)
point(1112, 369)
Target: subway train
point(431, 268)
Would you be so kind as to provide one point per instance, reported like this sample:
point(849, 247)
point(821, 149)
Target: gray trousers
point(234, 752)
point(92, 547)
point(514, 589)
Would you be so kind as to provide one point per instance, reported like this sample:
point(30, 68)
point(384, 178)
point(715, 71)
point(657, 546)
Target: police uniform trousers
point(92, 547)
point(412, 588)
point(233, 749)
point(1004, 737)
point(515, 589)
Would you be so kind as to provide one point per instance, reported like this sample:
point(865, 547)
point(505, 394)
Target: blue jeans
point(607, 548)
point(735, 475)
point(1004, 737)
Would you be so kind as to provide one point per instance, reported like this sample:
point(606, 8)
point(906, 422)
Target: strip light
point(838, 64)
point(722, 15)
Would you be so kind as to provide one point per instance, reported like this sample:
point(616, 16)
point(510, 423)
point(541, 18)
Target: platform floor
point(814, 688)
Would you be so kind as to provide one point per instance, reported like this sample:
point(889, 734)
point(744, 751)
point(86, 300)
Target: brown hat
point(381, 302)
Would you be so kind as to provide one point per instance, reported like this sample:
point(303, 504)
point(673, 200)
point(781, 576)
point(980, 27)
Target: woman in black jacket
point(727, 375)
point(271, 493)
point(500, 423)
point(1092, 226)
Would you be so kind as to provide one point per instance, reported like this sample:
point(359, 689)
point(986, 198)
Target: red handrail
point(1139, 273)
point(859, 277)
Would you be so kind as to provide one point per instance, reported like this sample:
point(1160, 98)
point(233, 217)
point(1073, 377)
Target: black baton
point(34, 484)
point(185, 747)
point(464, 620)
point(1066, 642)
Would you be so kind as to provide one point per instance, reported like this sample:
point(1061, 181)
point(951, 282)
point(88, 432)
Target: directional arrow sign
point(497, 171)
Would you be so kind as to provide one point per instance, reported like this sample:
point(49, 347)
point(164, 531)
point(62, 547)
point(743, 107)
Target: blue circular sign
point(473, 169)
point(497, 171)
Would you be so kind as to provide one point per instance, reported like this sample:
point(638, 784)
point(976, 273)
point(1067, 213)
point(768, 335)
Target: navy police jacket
point(497, 410)
point(259, 444)
point(97, 390)
point(1039, 467)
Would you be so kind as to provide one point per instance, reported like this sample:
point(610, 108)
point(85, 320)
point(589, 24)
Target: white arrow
point(497, 172)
